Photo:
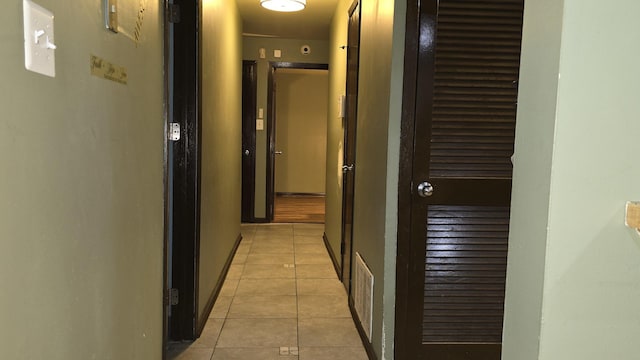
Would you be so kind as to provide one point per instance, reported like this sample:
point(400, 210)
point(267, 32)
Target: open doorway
point(297, 137)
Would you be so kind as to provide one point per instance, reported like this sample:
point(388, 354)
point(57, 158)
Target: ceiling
point(312, 23)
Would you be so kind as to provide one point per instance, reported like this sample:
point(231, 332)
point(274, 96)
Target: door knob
point(346, 168)
point(425, 189)
point(278, 152)
point(246, 152)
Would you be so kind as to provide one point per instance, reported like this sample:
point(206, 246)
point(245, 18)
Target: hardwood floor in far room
point(299, 209)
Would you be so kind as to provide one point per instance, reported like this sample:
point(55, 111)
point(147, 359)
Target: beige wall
point(575, 167)
point(290, 53)
point(301, 130)
point(221, 141)
point(81, 190)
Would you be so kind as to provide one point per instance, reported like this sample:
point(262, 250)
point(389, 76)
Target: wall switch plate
point(277, 53)
point(111, 15)
point(259, 124)
point(39, 44)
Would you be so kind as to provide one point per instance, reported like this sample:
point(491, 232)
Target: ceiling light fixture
point(284, 5)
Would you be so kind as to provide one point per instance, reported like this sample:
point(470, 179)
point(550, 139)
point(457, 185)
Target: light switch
point(259, 124)
point(277, 53)
point(261, 113)
point(39, 44)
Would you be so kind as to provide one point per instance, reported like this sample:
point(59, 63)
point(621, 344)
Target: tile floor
point(281, 300)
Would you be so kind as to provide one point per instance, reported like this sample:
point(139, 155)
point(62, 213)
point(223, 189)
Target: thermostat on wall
point(305, 49)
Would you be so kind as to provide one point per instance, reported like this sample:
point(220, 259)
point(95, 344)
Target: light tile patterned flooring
point(281, 300)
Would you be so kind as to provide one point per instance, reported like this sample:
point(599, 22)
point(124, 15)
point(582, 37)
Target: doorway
point(297, 115)
point(454, 189)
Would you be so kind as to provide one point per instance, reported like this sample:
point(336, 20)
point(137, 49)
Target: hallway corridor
point(281, 300)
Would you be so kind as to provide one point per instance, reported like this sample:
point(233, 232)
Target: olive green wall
point(576, 148)
point(221, 141)
point(301, 134)
point(81, 215)
point(335, 130)
point(290, 53)
point(377, 159)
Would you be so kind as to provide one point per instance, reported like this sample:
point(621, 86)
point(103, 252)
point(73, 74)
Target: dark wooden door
point(349, 157)
point(185, 178)
point(249, 83)
point(455, 249)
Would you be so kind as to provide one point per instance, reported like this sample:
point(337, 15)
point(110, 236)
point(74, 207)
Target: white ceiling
point(311, 23)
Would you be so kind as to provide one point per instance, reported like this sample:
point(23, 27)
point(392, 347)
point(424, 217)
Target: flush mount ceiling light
point(284, 5)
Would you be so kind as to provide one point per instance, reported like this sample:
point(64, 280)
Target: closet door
point(466, 93)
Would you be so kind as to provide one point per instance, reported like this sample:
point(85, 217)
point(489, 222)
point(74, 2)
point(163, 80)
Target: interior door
point(349, 157)
point(184, 155)
point(464, 127)
point(249, 83)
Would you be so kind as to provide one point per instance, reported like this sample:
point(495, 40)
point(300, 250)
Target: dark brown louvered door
point(464, 132)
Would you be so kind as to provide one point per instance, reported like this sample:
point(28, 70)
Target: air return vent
point(363, 294)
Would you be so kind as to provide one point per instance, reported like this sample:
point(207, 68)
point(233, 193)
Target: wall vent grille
point(363, 294)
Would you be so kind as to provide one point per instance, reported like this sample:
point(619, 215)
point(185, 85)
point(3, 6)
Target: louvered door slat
point(465, 272)
point(475, 81)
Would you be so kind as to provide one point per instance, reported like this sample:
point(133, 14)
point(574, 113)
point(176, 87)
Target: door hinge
point(174, 131)
point(173, 13)
point(172, 297)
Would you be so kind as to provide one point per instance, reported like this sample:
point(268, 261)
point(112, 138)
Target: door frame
point(405, 175)
point(249, 105)
point(166, 284)
point(182, 200)
point(271, 125)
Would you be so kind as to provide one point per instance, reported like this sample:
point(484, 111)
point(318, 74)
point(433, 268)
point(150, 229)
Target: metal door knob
point(425, 189)
point(246, 152)
point(278, 152)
